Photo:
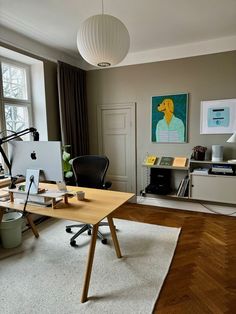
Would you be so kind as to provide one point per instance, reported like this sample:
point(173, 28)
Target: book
point(184, 191)
point(179, 162)
point(222, 171)
point(166, 161)
point(180, 187)
point(203, 171)
point(150, 160)
point(222, 168)
point(183, 187)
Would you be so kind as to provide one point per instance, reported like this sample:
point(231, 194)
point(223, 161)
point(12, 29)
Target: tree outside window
point(15, 98)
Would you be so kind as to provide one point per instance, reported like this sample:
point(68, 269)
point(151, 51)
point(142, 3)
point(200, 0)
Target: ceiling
point(159, 29)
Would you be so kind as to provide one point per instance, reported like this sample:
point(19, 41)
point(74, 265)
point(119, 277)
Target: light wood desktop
point(5, 182)
point(97, 205)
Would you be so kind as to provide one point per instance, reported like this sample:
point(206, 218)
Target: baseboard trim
point(189, 205)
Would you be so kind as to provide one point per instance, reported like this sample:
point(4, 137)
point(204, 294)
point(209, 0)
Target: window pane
point(14, 82)
point(16, 118)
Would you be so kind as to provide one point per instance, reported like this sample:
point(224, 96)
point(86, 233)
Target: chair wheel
point(89, 232)
point(104, 241)
point(73, 243)
point(68, 230)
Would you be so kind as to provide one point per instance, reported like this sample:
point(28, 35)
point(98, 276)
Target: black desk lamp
point(10, 137)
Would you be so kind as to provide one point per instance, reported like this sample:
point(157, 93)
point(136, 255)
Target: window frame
point(14, 101)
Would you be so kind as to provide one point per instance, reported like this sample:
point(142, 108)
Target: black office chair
point(89, 171)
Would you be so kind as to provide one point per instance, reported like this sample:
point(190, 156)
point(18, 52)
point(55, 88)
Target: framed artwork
point(169, 118)
point(218, 116)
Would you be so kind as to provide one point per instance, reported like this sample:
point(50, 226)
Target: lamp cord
point(216, 212)
point(27, 196)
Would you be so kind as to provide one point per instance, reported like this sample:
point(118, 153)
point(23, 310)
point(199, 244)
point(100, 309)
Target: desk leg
point(114, 236)
point(32, 225)
point(84, 296)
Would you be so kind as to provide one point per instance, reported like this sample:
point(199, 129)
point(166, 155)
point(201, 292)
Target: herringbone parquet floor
point(202, 277)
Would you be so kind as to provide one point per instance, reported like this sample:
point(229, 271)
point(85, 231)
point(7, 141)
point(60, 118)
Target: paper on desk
point(53, 193)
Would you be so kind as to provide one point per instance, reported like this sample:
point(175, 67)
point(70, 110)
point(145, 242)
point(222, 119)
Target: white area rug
point(45, 275)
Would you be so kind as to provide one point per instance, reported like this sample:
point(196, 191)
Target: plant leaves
point(68, 174)
point(65, 156)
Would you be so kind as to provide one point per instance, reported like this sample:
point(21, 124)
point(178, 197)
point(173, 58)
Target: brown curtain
point(73, 108)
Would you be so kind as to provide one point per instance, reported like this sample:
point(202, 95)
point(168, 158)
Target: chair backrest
point(90, 170)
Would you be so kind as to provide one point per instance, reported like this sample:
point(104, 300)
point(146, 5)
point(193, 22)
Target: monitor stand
point(32, 174)
point(36, 195)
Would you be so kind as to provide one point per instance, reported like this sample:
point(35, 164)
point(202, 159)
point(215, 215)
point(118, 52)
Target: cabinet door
point(213, 188)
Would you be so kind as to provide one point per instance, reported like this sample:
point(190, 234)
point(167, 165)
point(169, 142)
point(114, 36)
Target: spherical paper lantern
point(103, 40)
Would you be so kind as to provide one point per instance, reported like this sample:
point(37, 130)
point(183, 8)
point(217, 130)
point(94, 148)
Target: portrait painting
point(169, 118)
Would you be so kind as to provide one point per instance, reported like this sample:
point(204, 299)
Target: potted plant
point(66, 160)
point(199, 152)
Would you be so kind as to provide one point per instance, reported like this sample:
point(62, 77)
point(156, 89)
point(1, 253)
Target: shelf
point(212, 175)
point(172, 195)
point(217, 187)
point(166, 167)
point(193, 161)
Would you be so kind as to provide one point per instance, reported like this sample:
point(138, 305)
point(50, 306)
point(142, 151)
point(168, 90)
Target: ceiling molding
point(181, 51)
point(177, 52)
point(31, 46)
point(9, 20)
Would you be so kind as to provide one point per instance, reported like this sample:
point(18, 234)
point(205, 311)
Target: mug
point(80, 195)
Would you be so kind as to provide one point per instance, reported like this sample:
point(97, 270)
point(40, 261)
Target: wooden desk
point(98, 204)
point(4, 182)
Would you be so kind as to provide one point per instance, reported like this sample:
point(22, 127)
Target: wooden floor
point(202, 277)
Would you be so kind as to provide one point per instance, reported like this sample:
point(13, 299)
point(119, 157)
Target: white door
point(116, 139)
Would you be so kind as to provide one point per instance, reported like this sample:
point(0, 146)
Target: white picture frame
point(218, 116)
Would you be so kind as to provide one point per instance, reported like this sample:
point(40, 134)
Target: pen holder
point(80, 195)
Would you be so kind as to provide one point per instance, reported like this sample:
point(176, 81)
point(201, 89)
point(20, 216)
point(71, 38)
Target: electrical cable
point(148, 174)
point(27, 196)
point(215, 212)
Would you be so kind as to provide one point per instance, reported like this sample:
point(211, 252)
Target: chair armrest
point(107, 185)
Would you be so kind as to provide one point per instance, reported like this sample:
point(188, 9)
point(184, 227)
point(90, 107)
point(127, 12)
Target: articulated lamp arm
point(20, 133)
point(12, 137)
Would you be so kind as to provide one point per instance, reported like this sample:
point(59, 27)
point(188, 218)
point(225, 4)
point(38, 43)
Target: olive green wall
point(203, 78)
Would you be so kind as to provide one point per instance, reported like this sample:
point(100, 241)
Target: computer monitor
point(43, 156)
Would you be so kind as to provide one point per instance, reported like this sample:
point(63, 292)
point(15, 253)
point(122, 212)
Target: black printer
point(159, 182)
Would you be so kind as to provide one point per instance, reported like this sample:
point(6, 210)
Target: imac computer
point(43, 156)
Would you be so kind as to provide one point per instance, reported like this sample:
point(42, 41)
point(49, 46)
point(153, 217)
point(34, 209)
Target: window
point(15, 97)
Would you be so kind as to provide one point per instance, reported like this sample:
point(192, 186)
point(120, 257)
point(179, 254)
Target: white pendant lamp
point(103, 40)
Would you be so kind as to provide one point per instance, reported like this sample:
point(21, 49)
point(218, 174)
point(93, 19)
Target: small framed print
point(218, 116)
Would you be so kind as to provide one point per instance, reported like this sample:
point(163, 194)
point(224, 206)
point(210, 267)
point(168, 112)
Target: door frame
point(132, 107)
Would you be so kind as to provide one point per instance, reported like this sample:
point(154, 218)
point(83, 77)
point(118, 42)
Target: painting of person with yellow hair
point(169, 118)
